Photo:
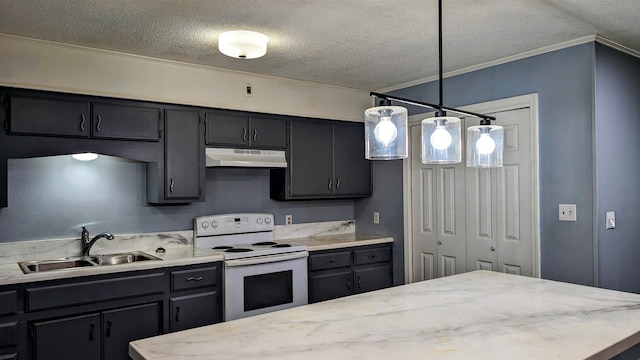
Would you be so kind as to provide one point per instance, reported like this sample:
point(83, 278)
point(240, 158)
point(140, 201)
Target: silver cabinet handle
point(358, 282)
point(98, 124)
point(177, 313)
point(171, 185)
point(82, 122)
point(108, 328)
point(255, 135)
point(194, 278)
point(337, 183)
point(91, 331)
point(329, 184)
point(328, 262)
point(349, 282)
point(244, 134)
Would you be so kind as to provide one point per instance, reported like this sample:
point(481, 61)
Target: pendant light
point(385, 129)
point(441, 135)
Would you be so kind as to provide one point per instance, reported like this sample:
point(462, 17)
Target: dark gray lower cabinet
point(342, 272)
point(72, 338)
point(194, 310)
point(121, 326)
point(82, 337)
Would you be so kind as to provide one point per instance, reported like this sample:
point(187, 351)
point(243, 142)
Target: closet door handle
point(82, 122)
point(492, 248)
point(255, 135)
point(99, 122)
point(439, 242)
point(244, 134)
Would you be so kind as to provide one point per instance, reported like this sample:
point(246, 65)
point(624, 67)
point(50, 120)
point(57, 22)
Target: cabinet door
point(195, 310)
point(183, 153)
point(310, 163)
point(331, 284)
point(115, 121)
point(268, 133)
point(227, 129)
point(32, 115)
point(69, 338)
point(352, 172)
point(121, 326)
point(372, 278)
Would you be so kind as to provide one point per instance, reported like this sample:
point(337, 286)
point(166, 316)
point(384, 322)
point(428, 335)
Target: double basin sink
point(29, 267)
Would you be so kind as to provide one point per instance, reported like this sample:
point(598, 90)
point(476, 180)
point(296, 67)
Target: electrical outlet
point(376, 217)
point(567, 212)
point(248, 90)
point(288, 219)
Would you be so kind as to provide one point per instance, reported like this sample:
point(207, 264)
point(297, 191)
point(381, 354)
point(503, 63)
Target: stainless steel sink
point(124, 258)
point(83, 261)
point(56, 264)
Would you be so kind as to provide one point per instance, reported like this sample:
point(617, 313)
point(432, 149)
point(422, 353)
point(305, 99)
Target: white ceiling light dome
point(243, 44)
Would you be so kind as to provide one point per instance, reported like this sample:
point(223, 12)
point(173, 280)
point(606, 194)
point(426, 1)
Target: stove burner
point(224, 247)
point(264, 243)
point(281, 245)
point(238, 250)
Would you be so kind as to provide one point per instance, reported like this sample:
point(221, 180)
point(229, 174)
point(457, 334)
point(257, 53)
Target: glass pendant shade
point(385, 129)
point(441, 140)
point(484, 146)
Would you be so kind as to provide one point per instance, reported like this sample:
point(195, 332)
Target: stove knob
point(259, 221)
point(214, 224)
point(267, 220)
point(205, 225)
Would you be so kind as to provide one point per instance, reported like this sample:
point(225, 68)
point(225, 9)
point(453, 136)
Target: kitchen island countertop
point(480, 314)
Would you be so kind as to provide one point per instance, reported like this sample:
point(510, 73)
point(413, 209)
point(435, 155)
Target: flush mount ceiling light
point(243, 44)
point(85, 156)
point(441, 135)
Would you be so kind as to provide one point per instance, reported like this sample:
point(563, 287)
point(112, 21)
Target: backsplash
point(327, 228)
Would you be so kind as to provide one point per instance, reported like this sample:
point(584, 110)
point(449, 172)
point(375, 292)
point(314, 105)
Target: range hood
point(245, 158)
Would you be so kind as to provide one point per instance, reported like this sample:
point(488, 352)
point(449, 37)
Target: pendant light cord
point(440, 53)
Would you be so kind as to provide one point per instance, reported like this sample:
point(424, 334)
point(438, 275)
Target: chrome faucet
point(87, 244)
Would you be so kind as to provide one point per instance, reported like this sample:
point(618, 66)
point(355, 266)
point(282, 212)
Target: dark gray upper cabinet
point(125, 122)
point(238, 130)
point(184, 154)
point(326, 160)
point(44, 116)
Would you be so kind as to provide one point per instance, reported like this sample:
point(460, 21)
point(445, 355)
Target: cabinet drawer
point(8, 334)
point(93, 291)
point(370, 256)
point(8, 303)
point(330, 260)
point(196, 278)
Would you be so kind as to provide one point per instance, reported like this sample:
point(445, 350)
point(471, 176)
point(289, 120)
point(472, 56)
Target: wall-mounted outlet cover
point(248, 90)
point(288, 219)
point(567, 212)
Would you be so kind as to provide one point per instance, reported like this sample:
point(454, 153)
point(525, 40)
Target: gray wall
point(52, 197)
point(387, 200)
point(563, 80)
point(617, 135)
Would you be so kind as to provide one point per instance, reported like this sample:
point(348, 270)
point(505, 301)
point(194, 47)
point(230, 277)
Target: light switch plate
point(567, 212)
point(610, 222)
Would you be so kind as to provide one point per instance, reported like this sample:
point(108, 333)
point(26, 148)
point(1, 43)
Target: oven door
point(262, 284)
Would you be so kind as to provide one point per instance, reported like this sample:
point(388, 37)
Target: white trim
point(525, 101)
point(524, 55)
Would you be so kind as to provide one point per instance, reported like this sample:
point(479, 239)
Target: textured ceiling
point(362, 44)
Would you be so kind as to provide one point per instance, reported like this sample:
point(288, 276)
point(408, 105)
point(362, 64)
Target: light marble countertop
point(476, 315)
point(339, 241)
point(10, 273)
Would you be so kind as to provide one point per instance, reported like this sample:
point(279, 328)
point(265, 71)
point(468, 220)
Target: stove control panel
point(232, 224)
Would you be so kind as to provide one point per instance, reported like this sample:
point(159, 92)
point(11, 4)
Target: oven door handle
point(266, 259)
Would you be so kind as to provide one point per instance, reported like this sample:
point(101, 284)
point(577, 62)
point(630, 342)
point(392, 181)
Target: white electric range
point(260, 274)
